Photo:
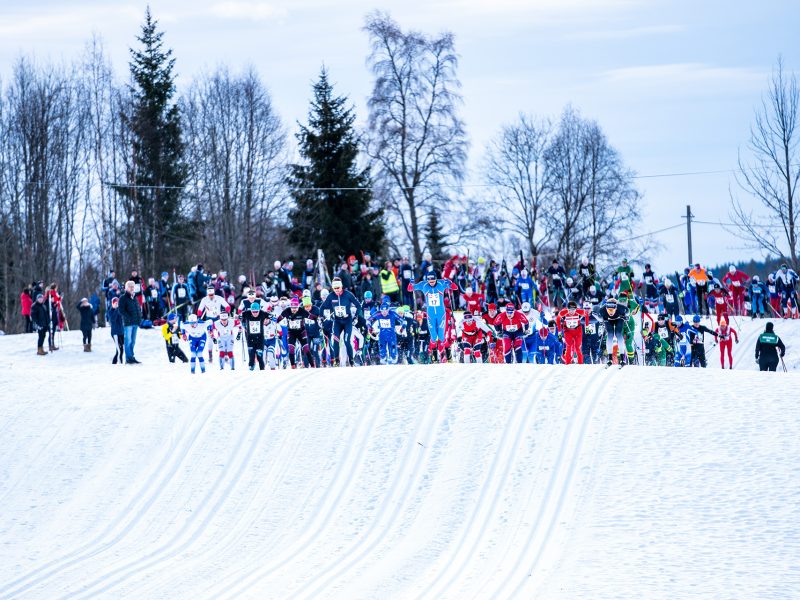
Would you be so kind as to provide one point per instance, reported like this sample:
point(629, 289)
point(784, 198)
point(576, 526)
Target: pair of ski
point(618, 365)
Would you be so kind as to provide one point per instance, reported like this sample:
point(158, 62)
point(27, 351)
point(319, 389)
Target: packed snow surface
point(443, 481)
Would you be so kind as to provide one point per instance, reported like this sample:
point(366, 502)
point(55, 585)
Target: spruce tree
point(436, 242)
point(332, 195)
point(156, 170)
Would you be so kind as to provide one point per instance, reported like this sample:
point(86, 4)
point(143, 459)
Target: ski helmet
point(526, 307)
point(192, 318)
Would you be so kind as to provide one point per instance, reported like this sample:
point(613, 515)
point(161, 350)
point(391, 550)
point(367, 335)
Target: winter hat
point(367, 295)
point(306, 302)
point(492, 306)
point(294, 302)
point(769, 327)
point(86, 300)
point(42, 296)
point(723, 322)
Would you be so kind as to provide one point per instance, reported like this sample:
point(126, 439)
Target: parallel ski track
point(210, 505)
point(238, 583)
point(556, 492)
point(132, 514)
point(391, 510)
point(487, 502)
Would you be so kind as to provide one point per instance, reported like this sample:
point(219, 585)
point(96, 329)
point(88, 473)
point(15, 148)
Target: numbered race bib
point(524, 285)
point(434, 299)
point(669, 298)
point(154, 294)
point(385, 323)
point(511, 328)
point(663, 332)
point(254, 327)
point(340, 311)
point(181, 293)
point(737, 283)
point(590, 329)
point(137, 287)
point(295, 324)
point(556, 276)
point(720, 300)
point(772, 289)
point(623, 276)
point(407, 274)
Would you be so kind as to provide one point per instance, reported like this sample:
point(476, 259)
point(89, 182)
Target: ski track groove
point(333, 496)
point(154, 486)
point(408, 473)
point(490, 481)
point(591, 377)
point(571, 451)
point(175, 546)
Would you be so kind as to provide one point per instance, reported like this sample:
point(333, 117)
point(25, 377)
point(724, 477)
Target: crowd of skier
point(461, 310)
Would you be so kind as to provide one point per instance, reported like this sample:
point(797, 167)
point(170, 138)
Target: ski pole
point(783, 364)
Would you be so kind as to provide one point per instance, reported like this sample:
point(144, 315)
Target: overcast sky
point(674, 84)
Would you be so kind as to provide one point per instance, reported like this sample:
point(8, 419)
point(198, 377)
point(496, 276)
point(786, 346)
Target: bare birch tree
point(771, 173)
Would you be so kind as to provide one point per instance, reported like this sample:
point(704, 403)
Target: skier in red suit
point(511, 325)
point(569, 321)
point(726, 335)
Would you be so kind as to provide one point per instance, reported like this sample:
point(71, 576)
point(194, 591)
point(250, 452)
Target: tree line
point(98, 172)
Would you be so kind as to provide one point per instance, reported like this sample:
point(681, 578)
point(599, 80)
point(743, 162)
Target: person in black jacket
point(696, 339)
point(131, 313)
point(117, 331)
point(87, 322)
point(41, 322)
point(767, 348)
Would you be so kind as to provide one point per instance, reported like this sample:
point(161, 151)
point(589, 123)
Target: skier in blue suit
point(434, 291)
point(385, 320)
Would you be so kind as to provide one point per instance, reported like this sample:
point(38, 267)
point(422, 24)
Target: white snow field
point(443, 481)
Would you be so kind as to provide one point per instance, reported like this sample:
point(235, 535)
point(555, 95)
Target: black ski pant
point(342, 332)
point(699, 355)
point(174, 351)
point(87, 336)
point(768, 364)
point(299, 338)
point(255, 351)
point(42, 334)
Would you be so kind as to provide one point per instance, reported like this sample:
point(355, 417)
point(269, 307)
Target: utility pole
point(688, 218)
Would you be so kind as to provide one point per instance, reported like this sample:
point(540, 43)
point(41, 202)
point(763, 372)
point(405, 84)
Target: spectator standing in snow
point(40, 321)
point(131, 313)
point(117, 331)
point(87, 323)
point(26, 301)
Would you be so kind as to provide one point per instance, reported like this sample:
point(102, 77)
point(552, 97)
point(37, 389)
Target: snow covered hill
point(443, 481)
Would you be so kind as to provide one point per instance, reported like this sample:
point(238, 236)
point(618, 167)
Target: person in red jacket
point(569, 321)
point(719, 298)
point(736, 281)
point(726, 335)
point(511, 325)
point(26, 302)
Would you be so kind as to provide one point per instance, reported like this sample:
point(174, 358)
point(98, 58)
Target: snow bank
point(442, 481)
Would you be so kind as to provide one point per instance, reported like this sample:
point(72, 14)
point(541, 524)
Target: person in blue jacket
point(341, 306)
point(525, 288)
point(117, 331)
point(683, 342)
point(385, 320)
point(758, 295)
point(546, 347)
point(434, 291)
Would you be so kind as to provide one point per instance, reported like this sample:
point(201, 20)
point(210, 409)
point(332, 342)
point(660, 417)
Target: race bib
point(181, 293)
point(340, 311)
point(524, 286)
point(434, 300)
point(737, 283)
point(294, 324)
point(702, 282)
point(385, 323)
point(254, 327)
point(572, 322)
point(556, 276)
point(720, 300)
point(623, 276)
point(590, 329)
point(771, 289)
point(137, 287)
point(511, 328)
point(154, 294)
point(663, 332)
point(669, 298)
point(407, 274)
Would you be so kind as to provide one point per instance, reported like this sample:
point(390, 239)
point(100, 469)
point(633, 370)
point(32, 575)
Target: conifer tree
point(332, 195)
point(434, 237)
point(156, 171)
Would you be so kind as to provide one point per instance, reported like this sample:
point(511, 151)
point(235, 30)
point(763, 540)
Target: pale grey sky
point(674, 84)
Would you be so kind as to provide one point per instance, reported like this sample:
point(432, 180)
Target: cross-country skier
point(571, 321)
point(511, 325)
point(294, 319)
point(254, 323)
point(209, 309)
point(726, 336)
point(384, 323)
point(341, 306)
point(547, 347)
point(434, 291)
point(736, 280)
point(171, 332)
point(225, 331)
point(696, 338)
point(196, 333)
point(614, 317)
point(769, 348)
